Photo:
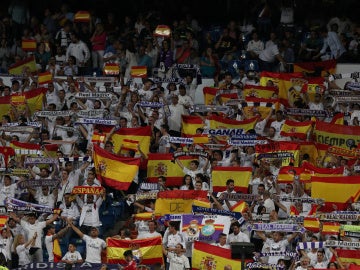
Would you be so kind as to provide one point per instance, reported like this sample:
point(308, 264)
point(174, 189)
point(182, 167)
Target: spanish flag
point(57, 250)
point(240, 175)
point(200, 138)
point(289, 85)
point(116, 172)
point(312, 224)
point(338, 190)
point(319, 68)
point(19, 67)
point(330, 227)
point(140, 134)
point(349, 255)
point(311, 149)
point(209, 95)
point(28, 45)
point(163, 165)
point(34, 99)
point(293, 211)
point(3, 220)
point(337, 135)
point(287, 174)
point(44, 77)
point(51, 149)
point(175, 202)
point(190, 124)
point(295, 129)
point(338, 119)
point(257, 91)
point(82, 16)
point(239, 206)
point(7, 152)
point(258, 105)
point(111, 69)
point(313, 86)
point(162, 31)
point(149, 249)
point(206, 256)
point(138, 71)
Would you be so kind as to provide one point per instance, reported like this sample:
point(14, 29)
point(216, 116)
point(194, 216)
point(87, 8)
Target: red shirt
point(130, 266)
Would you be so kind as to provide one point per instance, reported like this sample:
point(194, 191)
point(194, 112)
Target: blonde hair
point(16, 241)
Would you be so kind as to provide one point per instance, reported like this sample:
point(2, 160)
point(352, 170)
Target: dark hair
point(229, 181)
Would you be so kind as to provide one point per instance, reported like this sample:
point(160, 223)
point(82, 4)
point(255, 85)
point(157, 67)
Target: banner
point(149, 249)
point(87, 190)
point(175, 202)
point(296, 129)
point(240, 175)
point(19, 205)
point(29, 149)
point(338, 190)
point(116, 172)
point(207, 256)
point(337, 135)
point(32, 183)
point(140, 134)
point(203, 227)
point(162, 165)
point(19, 67)
point(61, 265)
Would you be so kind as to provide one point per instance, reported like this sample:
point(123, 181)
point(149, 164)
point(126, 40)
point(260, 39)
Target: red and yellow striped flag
point(338, 119)
point(349, 256)
point(190, 123)
point(209, 95)
point(111, 69)
point(175, 202)
point(19, 67)
point(296, 129)
point(124, 136)
point(28, 45)
point(149, 249)
point(57, 250)
point(162, 31)
point(287, 173)
point(44, 77)
point(311, 67)
point(311, 149)
point(240, 175)
point(217, 122)
point(338, 190)
point(293, 211)
point(116, 172)
point(337, 135)
point(330, 227)
point(200, 138)
point(239, 207)
point(34, 99)
point(82, 16)
point(289, 85)
point(3, 220)
point(207, 256)
point(312, 224)
point(163, 165)
point(138, 71)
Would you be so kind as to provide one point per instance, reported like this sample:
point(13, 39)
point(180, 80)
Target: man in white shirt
point(152, 231)
point(227, 204)
point(237, 235)
point(278, 123)
point(222, 241)
point(184, 99)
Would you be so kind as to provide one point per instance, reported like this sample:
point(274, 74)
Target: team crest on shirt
point(160, 169)
point(207, 263)
point(102, 167)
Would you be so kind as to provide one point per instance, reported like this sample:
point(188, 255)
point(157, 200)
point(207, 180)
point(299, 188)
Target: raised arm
point(76, 229)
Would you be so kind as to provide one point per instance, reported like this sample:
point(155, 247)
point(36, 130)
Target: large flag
point(149, 249)
point(317, 68)
point(190, 124)
point(296, 129)
point(116, 172)
point(335, 190)
point(310, 149)
point(19, 67)
point(240, 175)
point(139, 135)
point(287, 174)
point(258, 91)
point(337, 135)
point(175, 202)
point(34, 99)
point(164, 165)
point(289, 85)
point(207, 256)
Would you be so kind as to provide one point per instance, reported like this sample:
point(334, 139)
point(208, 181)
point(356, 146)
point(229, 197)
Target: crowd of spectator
point(72, 50)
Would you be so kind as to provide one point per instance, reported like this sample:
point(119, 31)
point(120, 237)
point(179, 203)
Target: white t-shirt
point(178, 262)
point(276, 247)
point(94, 246)
point(30, 230)
point(72, 256)
point(49, 243)
point(240, 237)
point(7, 191)
point(23, 253)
